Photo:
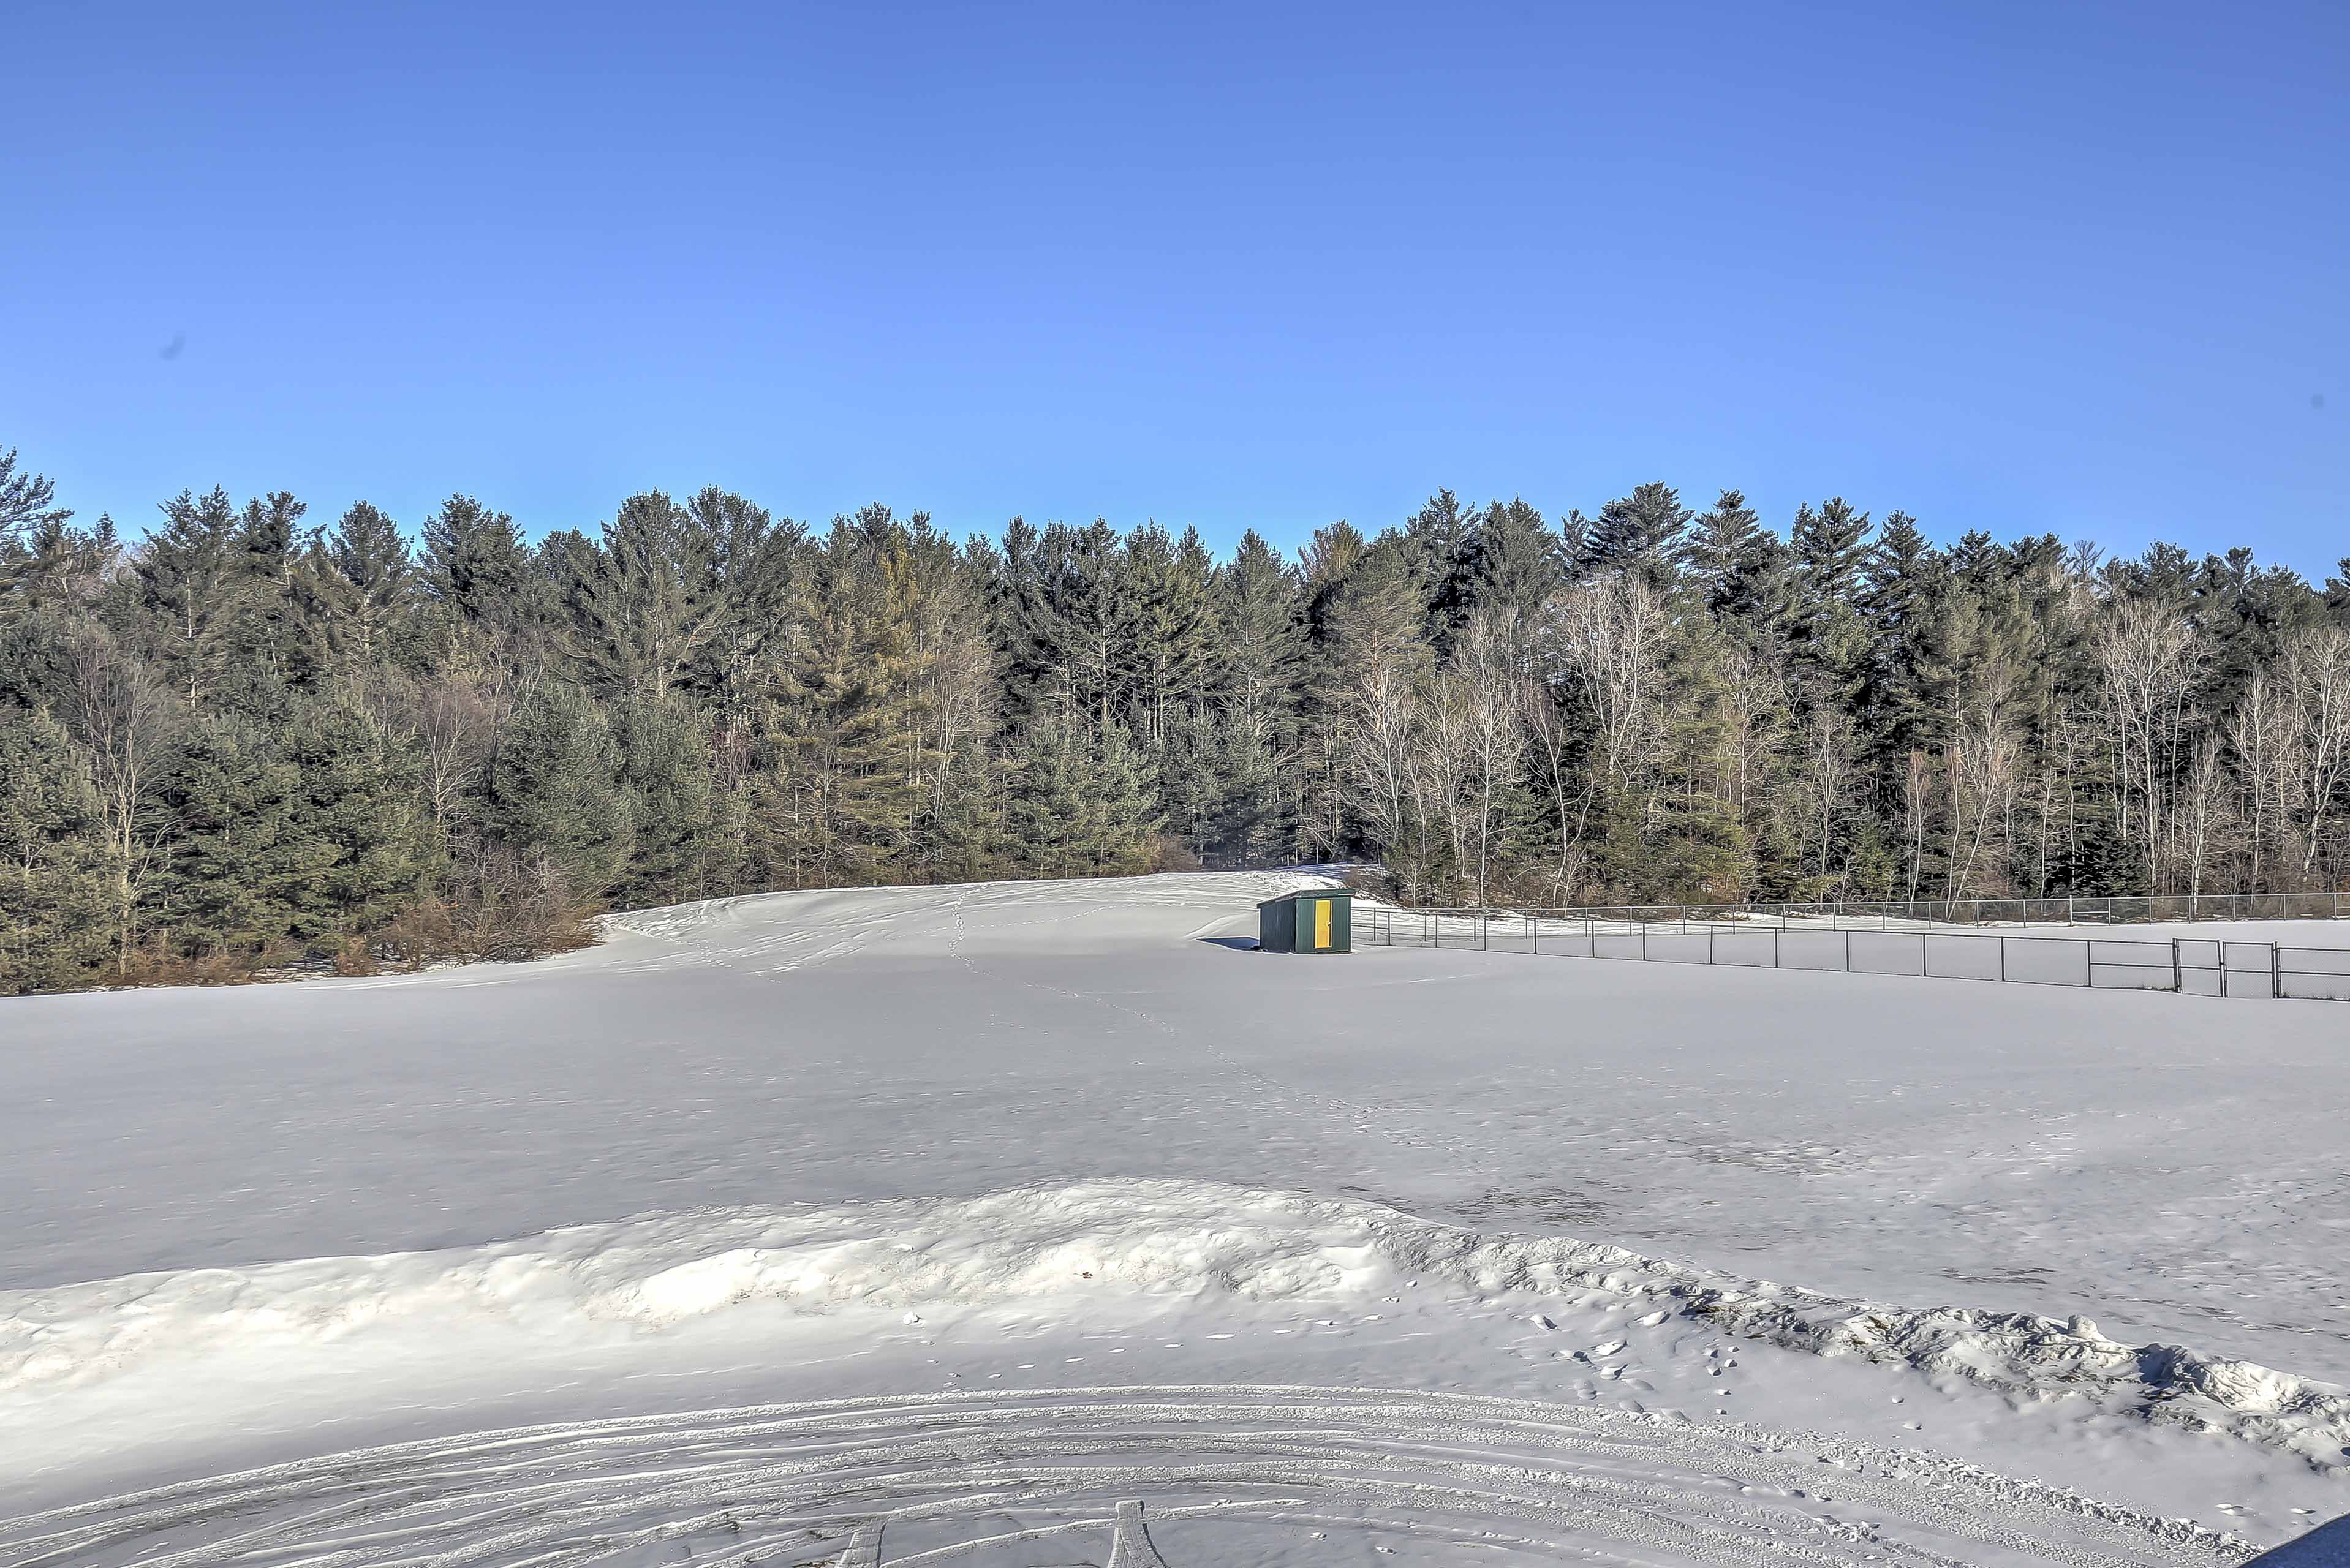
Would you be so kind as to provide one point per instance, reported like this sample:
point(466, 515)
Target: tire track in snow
point(1231, 1473)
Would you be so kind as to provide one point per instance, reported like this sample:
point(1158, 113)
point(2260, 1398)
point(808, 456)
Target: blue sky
point(2022, 267)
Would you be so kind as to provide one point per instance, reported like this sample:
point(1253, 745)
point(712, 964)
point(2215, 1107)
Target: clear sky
point(2026, 268)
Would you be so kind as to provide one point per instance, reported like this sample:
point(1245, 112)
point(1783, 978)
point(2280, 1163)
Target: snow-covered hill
point(1043, 1198)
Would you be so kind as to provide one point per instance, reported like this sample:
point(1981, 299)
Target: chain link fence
point(2192, 966)
point(1861, 914)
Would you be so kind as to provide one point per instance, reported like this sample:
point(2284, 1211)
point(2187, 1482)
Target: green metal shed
point(1318, 921)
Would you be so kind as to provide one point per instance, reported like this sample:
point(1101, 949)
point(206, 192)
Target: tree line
point(249, 741)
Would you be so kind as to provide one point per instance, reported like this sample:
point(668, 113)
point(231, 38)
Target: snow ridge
point(1122, 1237)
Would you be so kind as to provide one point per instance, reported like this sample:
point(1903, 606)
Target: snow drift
point(1140, 1238)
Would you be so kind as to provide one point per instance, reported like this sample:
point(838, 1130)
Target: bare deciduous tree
point(124, 717)
point(1610, 634)
point(2318, 677)
point(1487, 683)
point(2146, 653)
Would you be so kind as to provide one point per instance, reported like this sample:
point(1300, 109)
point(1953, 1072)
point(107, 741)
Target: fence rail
point(2134, 910)
point(2193, 966)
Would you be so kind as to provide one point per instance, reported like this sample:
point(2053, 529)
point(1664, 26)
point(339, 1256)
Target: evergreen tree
point(1165, 633)
point(2337, 593)
point(1645, 531)
point(360, 816)
point(1082, 807)
point(1517, 566)
point(240, 864)
point(1440, 551)
point(552, 798)
point(1902, 589)
point(477, 567)
point(665, 770)
point(27, 503)
point(1831, 553)
point(56, 876)
point(187, 579)
point(365, 580)
point(648, 602)
point(855, 749)
point(1724, 542)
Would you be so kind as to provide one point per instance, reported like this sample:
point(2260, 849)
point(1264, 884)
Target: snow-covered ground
point(972, 1214)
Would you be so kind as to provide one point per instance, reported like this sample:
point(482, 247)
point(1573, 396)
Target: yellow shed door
point(1321, 924)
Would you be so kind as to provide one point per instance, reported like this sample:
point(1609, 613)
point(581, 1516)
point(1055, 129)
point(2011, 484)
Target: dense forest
point(250, 741)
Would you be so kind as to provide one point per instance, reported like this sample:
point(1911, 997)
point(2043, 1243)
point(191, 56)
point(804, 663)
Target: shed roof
point(1306, 893)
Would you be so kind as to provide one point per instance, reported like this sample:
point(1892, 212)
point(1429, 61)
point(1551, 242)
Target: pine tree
point(27, 503)
point(664, 760)
point(365, 578)
point(552, 798)
point(1518, 565)
point(1831, 554)
point(188, 577)
point(52, 566)
point(1068, 643)
point(1725, 540)
point(1440, 550)
point(648, 604)
point(278, 650)
point(2337, 593)
point(1125, 818)
point(855, 749)
point(1645, 531)
point(1165, 629)
point(1081, 807)
point(56, 873)
point(240, 861)
point(362, 816)
point(476, 567)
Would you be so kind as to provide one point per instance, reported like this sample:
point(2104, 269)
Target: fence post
point(2002, 960)
point(1924, 966)
point(1533, 931)
point(2177, 974)
point(1847, 952)
point(2276, 972)
point(1708, 944)
point(1644, 941)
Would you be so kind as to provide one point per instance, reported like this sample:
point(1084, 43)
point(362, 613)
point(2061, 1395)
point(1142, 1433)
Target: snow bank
point(1101, 1238)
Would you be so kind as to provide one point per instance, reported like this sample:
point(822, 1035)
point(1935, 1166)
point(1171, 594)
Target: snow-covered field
point(876, 1226)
